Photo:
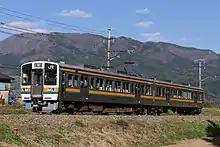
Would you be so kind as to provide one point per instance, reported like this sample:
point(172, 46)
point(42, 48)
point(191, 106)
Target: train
point(55, 87)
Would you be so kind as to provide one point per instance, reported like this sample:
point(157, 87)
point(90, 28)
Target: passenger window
point(147, 90)
point(92, 83)
point(142, 90)
point(125, 87)
point(75, 83)
point(99, 84)
point(118, 87)
point(109, 85)
point(70, 80)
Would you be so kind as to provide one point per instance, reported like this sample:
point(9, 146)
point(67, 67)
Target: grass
point(7, 109)
point(6, 135)
point(211, 111)
point(105, 131)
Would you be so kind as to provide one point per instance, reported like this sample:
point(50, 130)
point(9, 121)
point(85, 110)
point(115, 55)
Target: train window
point(189, 95)
point(142, 89)
point(148, 90)
point(92, 85)
point(125, 87)
point(70, 80)
point(118, 86)
point(185, 94)
point(163, 92)
point(109, 85)
point(76, 81)
point(132, 88)
point(158, 93)
point(26, 74)
point(99, 84)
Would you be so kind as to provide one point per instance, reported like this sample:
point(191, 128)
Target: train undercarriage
point(117, 109)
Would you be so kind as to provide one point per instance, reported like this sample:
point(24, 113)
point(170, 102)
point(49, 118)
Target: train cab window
point(70, 80)
point(109, 84)
point(75, 81)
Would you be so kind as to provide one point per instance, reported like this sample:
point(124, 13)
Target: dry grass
point(102, 131)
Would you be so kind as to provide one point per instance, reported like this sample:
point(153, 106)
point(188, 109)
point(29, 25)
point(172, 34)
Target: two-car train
point(50, 86)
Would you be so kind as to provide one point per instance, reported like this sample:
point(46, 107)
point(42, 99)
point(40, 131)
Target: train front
point(40, 86)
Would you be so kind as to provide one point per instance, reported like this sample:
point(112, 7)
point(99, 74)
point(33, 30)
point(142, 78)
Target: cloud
point(143, 11)
point(26, 26)
point(187, 39)
point(151, 36)
point(75, 13)
point(144, 24)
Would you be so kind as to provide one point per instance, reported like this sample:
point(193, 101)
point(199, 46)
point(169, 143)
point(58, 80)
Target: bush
point(209, 104)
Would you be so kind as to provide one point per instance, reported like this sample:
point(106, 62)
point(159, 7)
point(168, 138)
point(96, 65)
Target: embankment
point(104, 131)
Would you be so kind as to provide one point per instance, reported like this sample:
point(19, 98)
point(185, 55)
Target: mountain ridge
point(162, 60)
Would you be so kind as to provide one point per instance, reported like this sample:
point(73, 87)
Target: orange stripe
point(28, 90)
point(110, 93)
point(129, 95)
point(72, 90)
point(47, 89)
point(70, 70)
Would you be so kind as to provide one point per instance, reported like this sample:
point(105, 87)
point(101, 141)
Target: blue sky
point(189, 23)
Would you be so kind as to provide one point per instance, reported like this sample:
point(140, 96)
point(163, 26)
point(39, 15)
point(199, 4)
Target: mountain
point(164, 61)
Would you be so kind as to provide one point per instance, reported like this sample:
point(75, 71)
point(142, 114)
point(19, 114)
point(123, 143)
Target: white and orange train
point(55, 87)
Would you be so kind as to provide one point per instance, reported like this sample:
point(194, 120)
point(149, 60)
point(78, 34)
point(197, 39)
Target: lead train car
point(49, 86)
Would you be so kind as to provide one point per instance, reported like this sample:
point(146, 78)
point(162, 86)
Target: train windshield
point(50, 74)
point(26, 74)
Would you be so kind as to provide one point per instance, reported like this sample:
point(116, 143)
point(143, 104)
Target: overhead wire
point(60, 24)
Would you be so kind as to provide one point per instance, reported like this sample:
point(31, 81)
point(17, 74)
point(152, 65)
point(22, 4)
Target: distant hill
point(161, 60)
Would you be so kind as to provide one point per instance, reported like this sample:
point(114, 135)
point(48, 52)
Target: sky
point(191, 23)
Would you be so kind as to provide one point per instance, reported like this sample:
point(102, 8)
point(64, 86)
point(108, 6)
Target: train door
point(84, 86)
point(138, 93)
point(37, 83)
point(167, 94)
point(62, 85)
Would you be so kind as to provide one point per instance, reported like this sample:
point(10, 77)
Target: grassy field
point(103, 131)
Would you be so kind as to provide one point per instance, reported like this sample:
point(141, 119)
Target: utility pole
point(200, 62)
point(108, 49)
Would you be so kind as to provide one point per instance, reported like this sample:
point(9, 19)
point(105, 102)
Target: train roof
point(126, 76)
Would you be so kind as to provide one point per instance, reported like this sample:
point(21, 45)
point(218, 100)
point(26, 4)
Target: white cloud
point(75, 13)
point(145, 24)
point(151, 36)
point(188, 39)
point(25, 26)
point(142, 11)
